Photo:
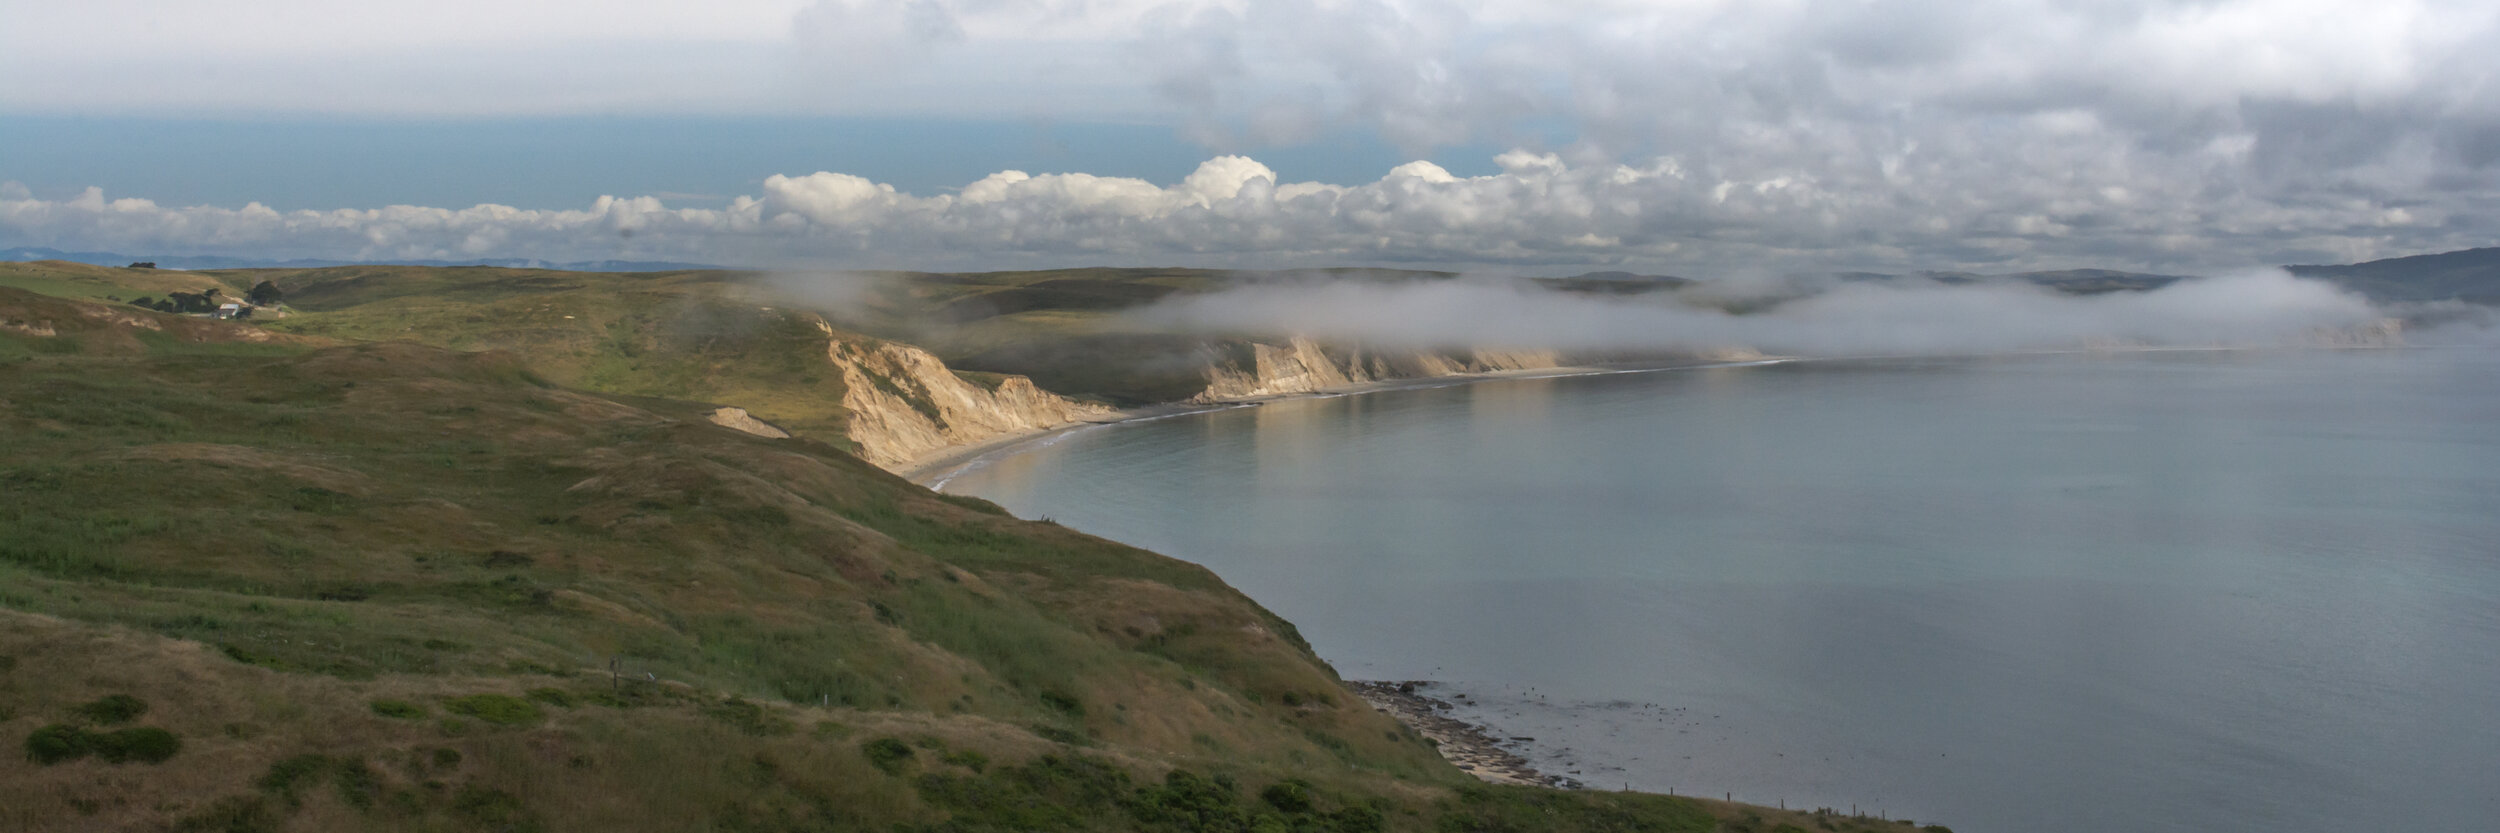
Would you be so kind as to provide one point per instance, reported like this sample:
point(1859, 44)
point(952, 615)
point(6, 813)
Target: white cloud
point(1925, 131)
point(1540, 210)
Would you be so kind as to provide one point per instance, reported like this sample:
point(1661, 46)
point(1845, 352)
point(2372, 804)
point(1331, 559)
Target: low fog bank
point(2254, 308)
point(831, 290)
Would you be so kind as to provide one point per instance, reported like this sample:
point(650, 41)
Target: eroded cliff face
point(1301, 365)
point(906, 405)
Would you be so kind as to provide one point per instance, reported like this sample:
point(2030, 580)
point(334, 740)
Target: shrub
point(556, 697)
point(146, 744)
point(112, 709)
point(498, 709)
point(400, 709)
point(888, 755)
point(289, 776)
point(506, 560)
point(1064, 703)
point(1358, 820)
point(56, 743)
point(61, 742)
point(967, 759)
point(1292, 796)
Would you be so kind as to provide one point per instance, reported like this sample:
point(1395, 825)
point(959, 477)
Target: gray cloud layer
point(1692, 135)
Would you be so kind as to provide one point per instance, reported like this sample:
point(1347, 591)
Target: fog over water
point(1907, 317)
point(2159, 591)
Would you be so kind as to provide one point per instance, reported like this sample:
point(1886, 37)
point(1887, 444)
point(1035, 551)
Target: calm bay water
point(2183, 591)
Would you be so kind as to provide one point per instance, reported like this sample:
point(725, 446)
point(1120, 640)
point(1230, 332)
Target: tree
point(143, 301)
point(144, 264)
point(264, 294)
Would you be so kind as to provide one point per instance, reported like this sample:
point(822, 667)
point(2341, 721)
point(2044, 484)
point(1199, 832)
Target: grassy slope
point(704, 336)
point(310, 562)
point(79, 280)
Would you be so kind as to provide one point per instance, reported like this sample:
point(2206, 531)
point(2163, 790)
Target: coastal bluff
point(1302, 366)
point(905, 404)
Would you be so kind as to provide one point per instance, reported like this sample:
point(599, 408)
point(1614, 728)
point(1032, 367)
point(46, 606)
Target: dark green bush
point(61, 742)
point(967, 759)
point(1185, 801)
point(146, 744)
point(112, 709)
point(1063, 703)
point(888, 755)
point(400, 709)
point(57, 743)
point(1358, 820)
point(1292, 796)
point(290, 776)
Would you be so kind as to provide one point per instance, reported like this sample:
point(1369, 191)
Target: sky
point(1690, 137)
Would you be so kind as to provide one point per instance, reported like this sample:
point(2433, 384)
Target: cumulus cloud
point(2248, 308)
point(2135, 133)
point(1538, 211)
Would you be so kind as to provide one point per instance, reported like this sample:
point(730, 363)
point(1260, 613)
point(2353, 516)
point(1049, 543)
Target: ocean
point(2173, 590)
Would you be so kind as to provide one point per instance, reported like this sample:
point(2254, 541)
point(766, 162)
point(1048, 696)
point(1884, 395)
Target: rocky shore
point(1473, 748)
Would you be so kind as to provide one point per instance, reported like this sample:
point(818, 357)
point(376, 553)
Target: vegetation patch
point(498, 709)
point(112, 709)
point(61, 743)
point(1068, 793)
point(398, 709)
point(556, 697)
point(750, 718)
point(888, 755)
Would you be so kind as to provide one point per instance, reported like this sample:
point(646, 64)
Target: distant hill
point(2469, 275)
point(25, 254)
point(2070, 281)
point(1614, 283)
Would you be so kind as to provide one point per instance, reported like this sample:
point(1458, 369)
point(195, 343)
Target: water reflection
point(2204, 591)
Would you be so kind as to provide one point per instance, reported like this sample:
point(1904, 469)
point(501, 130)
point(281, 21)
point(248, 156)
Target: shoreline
point(1468, 746)
point(933, 470)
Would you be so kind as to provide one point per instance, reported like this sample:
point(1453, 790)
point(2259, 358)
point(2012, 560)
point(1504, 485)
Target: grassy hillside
point(111, 283)
point(267, 584)
point(703, 335)
point(2469, 275)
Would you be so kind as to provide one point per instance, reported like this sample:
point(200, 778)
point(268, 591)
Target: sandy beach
point(934, 469)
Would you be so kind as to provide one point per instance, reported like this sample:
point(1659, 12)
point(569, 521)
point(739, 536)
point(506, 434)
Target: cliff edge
point(905, 404)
